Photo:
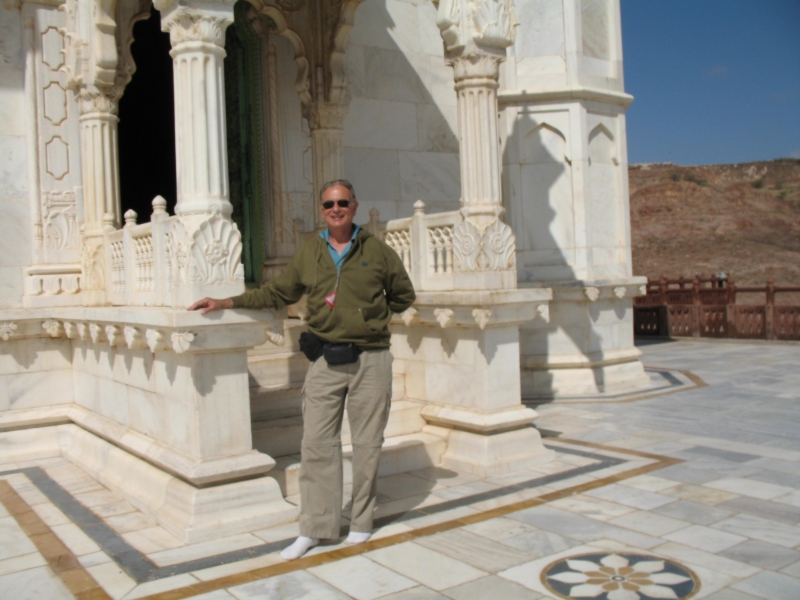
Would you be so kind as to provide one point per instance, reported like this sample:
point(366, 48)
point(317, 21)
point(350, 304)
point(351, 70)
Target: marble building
point(485, 139)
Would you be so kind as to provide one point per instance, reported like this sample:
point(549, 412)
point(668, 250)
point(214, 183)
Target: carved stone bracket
point(114, 335)
point(410, 316)
point(479, 309)
point(614, 290)
point(134, 338)
point(276, 337)
point(446, 317)
point(84, 333)
point(97, 333)
point(7, 330)
point(592, 293)
point(54, 329)
point(157, 341)
point(482, 316)
point(181, 340)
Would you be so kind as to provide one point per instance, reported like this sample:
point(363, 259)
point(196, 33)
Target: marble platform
point(702, 474)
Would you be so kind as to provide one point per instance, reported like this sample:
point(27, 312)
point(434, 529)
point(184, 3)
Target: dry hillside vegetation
point(741, 219)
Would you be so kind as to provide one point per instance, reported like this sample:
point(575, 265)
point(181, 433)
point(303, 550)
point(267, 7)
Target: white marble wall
point(15, 230)
point(401, 133)
point(34, 373)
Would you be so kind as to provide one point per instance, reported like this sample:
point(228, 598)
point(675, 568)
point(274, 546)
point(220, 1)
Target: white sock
point(356, 537)
point(300, 546)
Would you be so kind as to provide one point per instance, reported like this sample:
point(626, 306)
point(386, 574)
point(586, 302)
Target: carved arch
point(303, 83)
point(529, 150)
point(129, 12)
point(599, 130)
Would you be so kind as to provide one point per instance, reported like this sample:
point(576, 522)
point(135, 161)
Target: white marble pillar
point(476, 35)
point(476, 86)
point(101, 200)
point(197, 39)
point(208, 242)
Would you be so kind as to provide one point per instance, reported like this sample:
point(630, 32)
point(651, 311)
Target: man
point(354, 282)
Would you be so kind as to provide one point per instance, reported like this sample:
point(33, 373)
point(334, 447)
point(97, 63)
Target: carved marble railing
point(138, 260)
point(440, 256)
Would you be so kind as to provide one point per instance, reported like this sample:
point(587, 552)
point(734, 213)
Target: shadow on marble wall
point(545, 176)
point(400, 138)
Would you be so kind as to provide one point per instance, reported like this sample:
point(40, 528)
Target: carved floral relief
point(494, 250)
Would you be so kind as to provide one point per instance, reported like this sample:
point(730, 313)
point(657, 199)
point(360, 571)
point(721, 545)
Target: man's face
point(338, 217)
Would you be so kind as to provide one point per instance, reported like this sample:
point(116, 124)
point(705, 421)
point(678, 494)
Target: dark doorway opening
point(147, 123)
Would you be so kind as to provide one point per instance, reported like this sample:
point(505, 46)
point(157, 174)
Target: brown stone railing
point(708, 307)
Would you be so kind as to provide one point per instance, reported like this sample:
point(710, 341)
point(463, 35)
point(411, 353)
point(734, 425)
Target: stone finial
point(159, 205)
point(419, 207)
point(108, 222)
point(130, 217)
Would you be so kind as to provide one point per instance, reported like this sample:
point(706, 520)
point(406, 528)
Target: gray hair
point(342, 182)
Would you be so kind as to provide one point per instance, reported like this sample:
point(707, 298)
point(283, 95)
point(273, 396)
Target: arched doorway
point(147, 123)
point(147, 128)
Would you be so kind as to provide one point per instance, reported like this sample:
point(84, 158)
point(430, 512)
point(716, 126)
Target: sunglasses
point(328, 204)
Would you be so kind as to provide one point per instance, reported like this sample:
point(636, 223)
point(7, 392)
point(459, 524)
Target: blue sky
point(714, 81)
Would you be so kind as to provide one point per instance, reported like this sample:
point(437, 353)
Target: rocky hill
point(742, 219)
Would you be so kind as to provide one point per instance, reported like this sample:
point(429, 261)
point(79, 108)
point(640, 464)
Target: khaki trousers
point(367, 385)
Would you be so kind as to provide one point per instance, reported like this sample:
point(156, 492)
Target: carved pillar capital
point(325, 115)
point(94, 100)
point(477, 27)
point(192, 25)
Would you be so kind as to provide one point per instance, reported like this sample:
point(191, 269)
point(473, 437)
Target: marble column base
point(487, 455)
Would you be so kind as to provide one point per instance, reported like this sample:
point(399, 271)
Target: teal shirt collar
point(338, 259)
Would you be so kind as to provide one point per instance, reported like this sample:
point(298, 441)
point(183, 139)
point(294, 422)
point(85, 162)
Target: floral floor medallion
point(619, 576)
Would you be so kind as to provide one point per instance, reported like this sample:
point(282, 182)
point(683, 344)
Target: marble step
point(285, 401)
point(399, 454)
point(267, 404)
point(281, 436)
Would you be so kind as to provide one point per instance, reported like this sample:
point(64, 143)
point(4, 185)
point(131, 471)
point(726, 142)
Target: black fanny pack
point(335, 354)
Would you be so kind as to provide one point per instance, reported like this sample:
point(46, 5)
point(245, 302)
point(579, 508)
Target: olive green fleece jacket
point(372, 284)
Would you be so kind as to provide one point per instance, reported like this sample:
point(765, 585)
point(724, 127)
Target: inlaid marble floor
point(694, 493)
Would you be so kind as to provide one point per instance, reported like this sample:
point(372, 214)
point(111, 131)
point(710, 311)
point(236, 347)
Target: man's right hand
point(207, 305)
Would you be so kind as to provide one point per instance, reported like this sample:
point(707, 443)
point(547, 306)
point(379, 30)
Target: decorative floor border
point(141, 569)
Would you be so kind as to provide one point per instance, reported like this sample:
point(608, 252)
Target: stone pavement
point(691, 490)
